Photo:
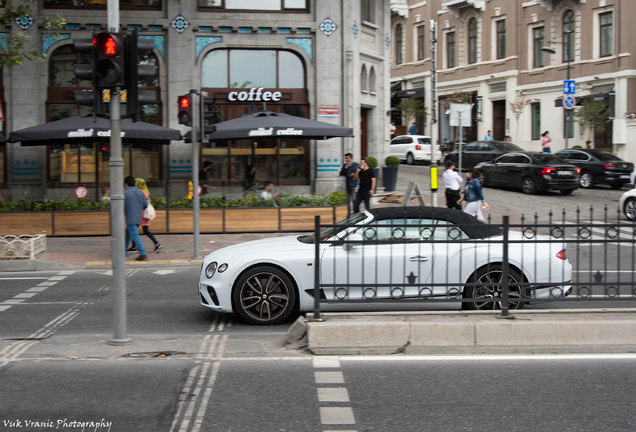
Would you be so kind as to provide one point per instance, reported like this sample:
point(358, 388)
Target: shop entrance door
point(499, 120)
point(364, 132)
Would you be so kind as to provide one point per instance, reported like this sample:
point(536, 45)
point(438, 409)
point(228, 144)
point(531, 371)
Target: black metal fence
point(430, 256)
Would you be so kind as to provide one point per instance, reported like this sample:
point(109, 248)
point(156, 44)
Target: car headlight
point(222, 267)
point(210, 269)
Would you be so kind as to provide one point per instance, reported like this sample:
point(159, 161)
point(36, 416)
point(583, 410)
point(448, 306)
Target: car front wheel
point(586, 180)
point(264, 295)
point(487, 293)
point(629, 208)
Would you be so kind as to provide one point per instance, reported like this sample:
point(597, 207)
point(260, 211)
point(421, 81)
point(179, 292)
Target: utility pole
point(116, 167)
point(195, 173)
point(434, 145)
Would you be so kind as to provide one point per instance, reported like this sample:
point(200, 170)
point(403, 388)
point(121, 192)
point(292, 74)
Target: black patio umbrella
point(267, 124)
point(83, 129)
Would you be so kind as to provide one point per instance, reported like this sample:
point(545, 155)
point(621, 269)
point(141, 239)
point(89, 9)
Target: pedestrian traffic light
point(136, 71)
point(185, 109)
point(109, 66)
point(86, 72)
point(210, 114)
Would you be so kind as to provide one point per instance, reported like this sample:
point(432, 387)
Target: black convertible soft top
point(473, 227)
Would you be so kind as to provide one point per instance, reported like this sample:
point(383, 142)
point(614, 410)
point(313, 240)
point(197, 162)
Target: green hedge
point(207, 201)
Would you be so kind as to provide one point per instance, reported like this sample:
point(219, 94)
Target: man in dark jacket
point(367, 185)
point(134, 205)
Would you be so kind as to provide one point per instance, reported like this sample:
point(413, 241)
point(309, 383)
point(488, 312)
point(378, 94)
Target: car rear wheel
point(586, 180)
point(528, 186)
point(616, 185)
point(629, 208)
point(567, 191)
point(264, 295)
point(487, 294)
point(482, 178)
point(410, 159)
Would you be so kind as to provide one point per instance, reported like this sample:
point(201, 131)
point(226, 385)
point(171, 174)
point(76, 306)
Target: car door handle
point(418, 258)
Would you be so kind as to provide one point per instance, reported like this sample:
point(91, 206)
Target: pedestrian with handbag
point(147, 216)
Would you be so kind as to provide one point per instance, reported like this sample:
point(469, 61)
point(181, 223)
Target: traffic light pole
point(116, 167)
point(195, 174)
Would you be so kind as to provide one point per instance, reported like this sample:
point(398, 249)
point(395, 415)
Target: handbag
point(149, 212)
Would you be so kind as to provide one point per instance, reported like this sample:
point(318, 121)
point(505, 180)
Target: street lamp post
point(568, 47)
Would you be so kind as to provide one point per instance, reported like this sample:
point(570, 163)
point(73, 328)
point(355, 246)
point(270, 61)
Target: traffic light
point(109, 65)
point(185, 109)
point(210, 114)
point(134, 47)
point(86, 72)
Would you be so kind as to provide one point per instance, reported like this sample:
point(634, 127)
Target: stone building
point(328, 59)
point(499, 51)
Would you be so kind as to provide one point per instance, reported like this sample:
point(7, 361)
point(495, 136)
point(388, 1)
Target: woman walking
point(546, 140)
point(145, 223)
point(474, 196)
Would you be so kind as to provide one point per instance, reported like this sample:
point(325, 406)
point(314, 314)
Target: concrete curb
point(556, 331)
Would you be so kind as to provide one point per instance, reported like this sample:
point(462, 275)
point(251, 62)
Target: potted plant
point(373, 164)
point(390, 172)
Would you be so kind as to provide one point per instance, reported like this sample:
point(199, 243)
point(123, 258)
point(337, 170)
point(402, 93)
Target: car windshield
point(325, 233)
point(548, 159)
point(605, 156)
point(509, 147)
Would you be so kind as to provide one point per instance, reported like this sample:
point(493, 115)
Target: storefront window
point(101, 4)
point(235, 69)
point(264, 5)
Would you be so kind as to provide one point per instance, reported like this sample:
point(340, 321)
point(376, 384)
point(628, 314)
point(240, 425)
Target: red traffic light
point(108, 44)
point(184, 102)
point(185, 109)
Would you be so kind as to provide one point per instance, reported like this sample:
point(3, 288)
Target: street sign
point(81, 192)
point(461, 113)
point(569, 87)
point(569, 102)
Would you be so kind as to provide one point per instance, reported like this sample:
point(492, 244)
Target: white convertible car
point(376, 257)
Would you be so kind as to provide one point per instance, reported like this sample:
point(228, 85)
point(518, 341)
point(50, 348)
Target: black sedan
point(531, 172)
point(480, 151)
point(598, 166)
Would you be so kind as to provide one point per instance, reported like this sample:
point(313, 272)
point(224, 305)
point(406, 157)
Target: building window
point(420, 42)
point(501, 39)
point(568, 36)
point(368, 11)
point(256, 5)
point(472, 41)
point(536, 120)
point(364, 81)
point(606, 33)
point(101, 4)
point(450, 50)
point(398, 45)
point(224, 68)
point(538, 39)
point(372, 81)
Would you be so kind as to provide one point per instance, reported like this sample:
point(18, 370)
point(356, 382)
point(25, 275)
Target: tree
point(592, 116)
point(411, 108)
point(517, 106)
point(19, 48)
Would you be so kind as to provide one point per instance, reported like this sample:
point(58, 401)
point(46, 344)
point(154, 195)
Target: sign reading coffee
point(255, 94)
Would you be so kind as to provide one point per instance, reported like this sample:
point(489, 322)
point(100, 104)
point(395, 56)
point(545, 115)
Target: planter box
point(91, 223)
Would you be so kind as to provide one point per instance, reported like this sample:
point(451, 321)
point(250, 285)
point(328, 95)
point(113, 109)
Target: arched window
point(472, 41)
point(568, 36)
point(364, 82)
point(372, 82)
point(398, 44)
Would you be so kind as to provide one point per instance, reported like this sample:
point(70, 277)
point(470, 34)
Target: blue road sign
point(569, 87)
point(569, 102)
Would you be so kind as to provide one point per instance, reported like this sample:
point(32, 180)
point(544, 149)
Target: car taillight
point(418, 147)
point(562, 255)
point(547, 171)
point(609, 166)
point(578, 170)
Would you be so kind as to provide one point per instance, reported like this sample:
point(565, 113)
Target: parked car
point(627, 204)
point(414, 148)
point(476, 152)
point(530, 172)
point(598, 166)
point(264, 280)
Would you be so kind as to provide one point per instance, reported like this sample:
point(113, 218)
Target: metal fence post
point(505, 276)
point(316, 316)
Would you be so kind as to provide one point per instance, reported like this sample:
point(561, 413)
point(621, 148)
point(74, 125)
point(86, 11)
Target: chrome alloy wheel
point(264, 295)
point(488, 293)
point(629, 208)
point(586, 180)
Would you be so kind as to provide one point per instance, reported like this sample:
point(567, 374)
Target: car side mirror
point(349, 241)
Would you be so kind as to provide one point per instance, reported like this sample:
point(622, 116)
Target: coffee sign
point(255, 94)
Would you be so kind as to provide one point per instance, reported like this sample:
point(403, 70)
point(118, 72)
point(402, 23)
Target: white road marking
point(336, 415)
point(326, 362)
point(333, 394)
point(488, 357)
point(24, 295)
point(23, 278)
point(36, 289)
point(57, 278)
point(47, 284)
point(164, 272)
point(329, 377)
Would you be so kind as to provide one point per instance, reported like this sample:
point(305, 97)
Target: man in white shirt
point(267, 192)
point(452, 182)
